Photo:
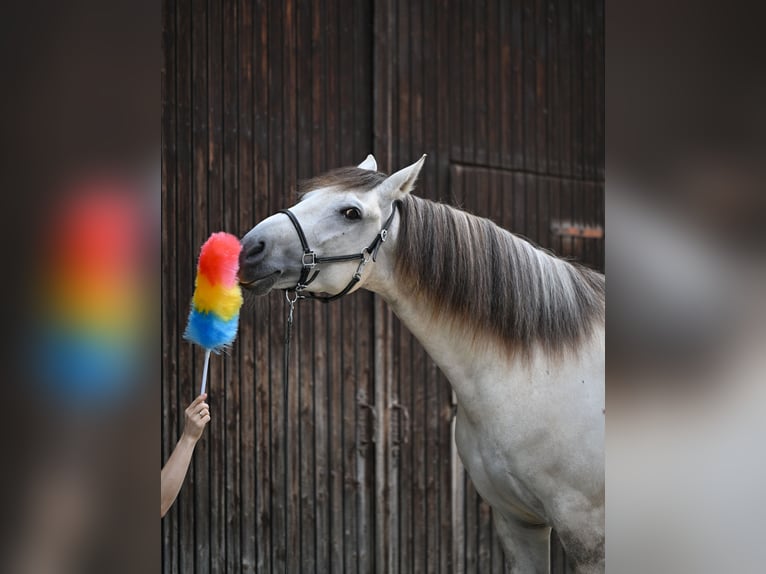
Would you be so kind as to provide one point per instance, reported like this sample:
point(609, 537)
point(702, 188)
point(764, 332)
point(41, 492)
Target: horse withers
point(518, 332)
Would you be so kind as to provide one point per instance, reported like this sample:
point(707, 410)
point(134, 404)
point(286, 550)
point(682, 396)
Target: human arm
point(197, 416)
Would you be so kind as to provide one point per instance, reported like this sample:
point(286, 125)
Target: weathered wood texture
point(353, 468)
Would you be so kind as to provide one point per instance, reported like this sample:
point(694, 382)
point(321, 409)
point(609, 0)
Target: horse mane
point(491, 282)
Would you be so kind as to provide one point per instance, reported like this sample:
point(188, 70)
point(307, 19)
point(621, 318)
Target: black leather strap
point(310, 258)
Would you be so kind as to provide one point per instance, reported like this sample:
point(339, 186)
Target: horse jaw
point(261, 286)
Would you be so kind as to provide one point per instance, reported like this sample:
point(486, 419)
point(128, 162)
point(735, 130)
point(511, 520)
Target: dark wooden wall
point(507, 100)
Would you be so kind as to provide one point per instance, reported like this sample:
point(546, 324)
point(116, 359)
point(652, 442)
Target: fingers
point(195, 402)
point(197, 416)
point(195, 405)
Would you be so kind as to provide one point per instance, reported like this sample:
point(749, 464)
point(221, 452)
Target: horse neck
point(455, 356)
point(466, 361)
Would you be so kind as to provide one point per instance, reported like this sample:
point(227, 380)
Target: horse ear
point(401, 183)
point(369, 163)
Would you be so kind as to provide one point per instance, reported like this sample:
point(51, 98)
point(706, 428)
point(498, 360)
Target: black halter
point(310, 259)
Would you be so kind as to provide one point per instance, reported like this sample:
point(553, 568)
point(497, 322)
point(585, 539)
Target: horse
point(518, 332)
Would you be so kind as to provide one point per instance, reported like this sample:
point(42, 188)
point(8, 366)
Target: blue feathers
point(210, 331)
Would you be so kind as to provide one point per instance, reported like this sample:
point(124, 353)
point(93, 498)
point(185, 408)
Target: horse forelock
point(491, 283)
point(343, 179)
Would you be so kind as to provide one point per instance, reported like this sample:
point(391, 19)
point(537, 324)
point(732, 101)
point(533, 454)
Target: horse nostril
point(252, 254)
point(258, 249)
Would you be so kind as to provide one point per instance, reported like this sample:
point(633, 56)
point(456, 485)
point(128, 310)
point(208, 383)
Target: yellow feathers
point(223, 301)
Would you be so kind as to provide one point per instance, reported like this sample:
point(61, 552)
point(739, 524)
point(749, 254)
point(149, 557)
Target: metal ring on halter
point(360, 268)
point(295, 300)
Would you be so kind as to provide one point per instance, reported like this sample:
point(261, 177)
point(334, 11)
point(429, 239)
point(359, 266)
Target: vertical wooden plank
point(229, 391)
point(262, 312)
point(321, 455)
point(428, 187)
point(212, 208)
point(565, 88)
point(245, 220)
point(367, 347)
point(485, 535)
point(494, 86)
point(554, 95)
point(202, 501)
point(278, 447)
point(598, 122)
point(529, 73)
point(497, 558)
point(471, 527)
point(542, 233)
point(600, 218)
point(441, 62)
point(292, 426)
point(576, 79)
point(337, 534)
point(559, 562)
point(505, 84)
point(383, 84)
point(588, 90)
point(365, 451)
point(468, 99)
point(397, 456)
point(322, 419)
point(555, 211)
point(419, 431)
point(421, 120)
point(386, 459)
point(350, 436)
point(480, 82)
point(599, 88)
point(517, 91)
point(457, 483)
point(305, 434)
point(455, 79)
point(407, 470)
point(363, 70)
point(541, 87)
point(519, 204)
point(432, 465)
point(531, 201)
point(403, 86)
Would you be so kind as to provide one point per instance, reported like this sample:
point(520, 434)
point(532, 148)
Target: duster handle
point(204, 372)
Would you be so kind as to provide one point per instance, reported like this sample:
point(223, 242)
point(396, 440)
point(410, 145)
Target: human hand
point(197, 415)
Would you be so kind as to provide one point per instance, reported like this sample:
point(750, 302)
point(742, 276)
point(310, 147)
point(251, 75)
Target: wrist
point(187, 439)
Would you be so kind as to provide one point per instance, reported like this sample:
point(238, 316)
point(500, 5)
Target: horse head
point(323, 243)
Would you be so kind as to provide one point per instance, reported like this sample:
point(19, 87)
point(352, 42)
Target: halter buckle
point(383, 235)
point(311, 262)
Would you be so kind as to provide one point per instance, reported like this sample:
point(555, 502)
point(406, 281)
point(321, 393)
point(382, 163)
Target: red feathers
point(219, 259)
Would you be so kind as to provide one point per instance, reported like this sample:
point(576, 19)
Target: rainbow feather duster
point(214, 316)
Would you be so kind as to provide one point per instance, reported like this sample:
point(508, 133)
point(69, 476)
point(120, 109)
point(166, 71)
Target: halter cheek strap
point(309, 259)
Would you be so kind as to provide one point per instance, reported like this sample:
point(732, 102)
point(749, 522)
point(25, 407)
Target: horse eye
point(352, 213)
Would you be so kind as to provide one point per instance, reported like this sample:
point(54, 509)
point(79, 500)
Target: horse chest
point(493, 474)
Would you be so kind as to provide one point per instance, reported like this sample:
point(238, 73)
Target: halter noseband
point(310, 259)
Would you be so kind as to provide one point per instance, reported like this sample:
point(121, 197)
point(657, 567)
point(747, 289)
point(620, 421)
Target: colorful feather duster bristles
point(214, 316)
